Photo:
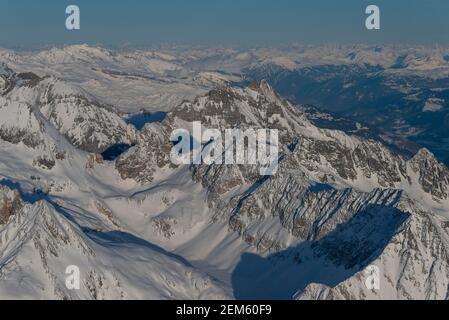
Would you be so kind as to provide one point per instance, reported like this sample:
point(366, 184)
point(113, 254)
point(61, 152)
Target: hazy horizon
point(28, 24)
point(174, 46)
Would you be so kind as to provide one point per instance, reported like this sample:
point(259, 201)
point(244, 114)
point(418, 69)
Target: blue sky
point(26, 23)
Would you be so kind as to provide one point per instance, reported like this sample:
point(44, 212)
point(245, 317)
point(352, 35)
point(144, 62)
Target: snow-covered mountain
point(43, 233)
point(337, 203)
point(139, 226)
point(39, 239)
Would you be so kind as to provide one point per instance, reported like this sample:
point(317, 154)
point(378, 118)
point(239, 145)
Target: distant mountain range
point(400, 90)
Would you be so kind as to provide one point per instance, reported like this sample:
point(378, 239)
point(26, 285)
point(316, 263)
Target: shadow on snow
point(345, 251)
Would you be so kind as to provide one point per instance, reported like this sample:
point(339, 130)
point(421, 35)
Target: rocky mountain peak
point(424, 154)
point(265, 89)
